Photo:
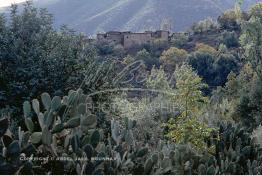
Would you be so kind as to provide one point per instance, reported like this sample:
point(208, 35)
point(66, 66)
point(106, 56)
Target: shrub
point(204, 26)
point(173, 57)
point(256, 11)
point(230, 39)
point(204, 48)
point(229, 20)
point(104, 47)
point(179, 39)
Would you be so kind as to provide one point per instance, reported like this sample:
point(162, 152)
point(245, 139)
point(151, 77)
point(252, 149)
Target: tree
point(224, 64)
point(35, 58)
point(249, 109)
point(205, 25)
point(230, 39)
point(256, 11)
point(188, 91)
point(244, 112)
point(105, 47)
point(241, 95)
point(204, 48)
point(173, 57)
point(187, 128)
point(157, 46)
point(251, 42)
point(203, 63)
point(214, 69)
point(158, 79)
point(143, 55)
point(147, 58)
point(128, 59)
point(190, 130)
point(229, 20)
point(179, 39)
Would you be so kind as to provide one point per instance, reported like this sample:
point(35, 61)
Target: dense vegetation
point(186, 107)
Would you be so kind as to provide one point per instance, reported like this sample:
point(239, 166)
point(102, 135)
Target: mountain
point(92, 16)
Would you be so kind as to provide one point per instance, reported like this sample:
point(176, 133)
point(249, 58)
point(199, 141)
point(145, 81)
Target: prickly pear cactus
point(78, 141)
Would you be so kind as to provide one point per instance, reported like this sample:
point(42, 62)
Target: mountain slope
point(92, 16)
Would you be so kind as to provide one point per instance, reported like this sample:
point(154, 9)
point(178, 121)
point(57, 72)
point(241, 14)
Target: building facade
point(129, 39)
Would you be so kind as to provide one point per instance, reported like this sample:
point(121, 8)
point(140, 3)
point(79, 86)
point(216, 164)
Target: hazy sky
point(4, 3)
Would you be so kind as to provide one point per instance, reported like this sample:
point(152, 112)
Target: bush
point(104, 47)
point(229, 20)
point(230, 39)
point(179, 39)
point(148, 59)
point(256, 11)
point(204, 48)
point(173, 57)
point(189, 130)
point(250, 106)
point(214, 71)
point(157, 47)
point(204, 26)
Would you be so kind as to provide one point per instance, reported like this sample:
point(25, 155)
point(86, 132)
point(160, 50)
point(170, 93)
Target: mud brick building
point(129, 39)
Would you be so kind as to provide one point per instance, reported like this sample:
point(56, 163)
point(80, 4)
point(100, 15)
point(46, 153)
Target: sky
point(4, 3)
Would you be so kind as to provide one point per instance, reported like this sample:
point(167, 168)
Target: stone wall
point(136, 39)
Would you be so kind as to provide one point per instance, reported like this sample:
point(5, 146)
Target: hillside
point(94, 16)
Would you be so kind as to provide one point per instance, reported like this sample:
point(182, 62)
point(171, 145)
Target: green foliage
point(158, 79)
point(188, 92)
point(104, 48)
point(128, 60)
point(230, 151)
point(214, 69)
point(66, 131)
point(234, 154)
point(186, 128)
point(249, 108)
point(229, 20)
point(189, 130)
point(148, 59)
point(203, 63)
point(204, 26)
point(256, 11)
point(204, 48)
point(34, 57)
point(173, 57)
point(237, 152)
point(179, 39)
point(143, 55)
point(157, 47)
point(230, 39)
point(251, 41)
point(234, 101)
point(223, 66)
